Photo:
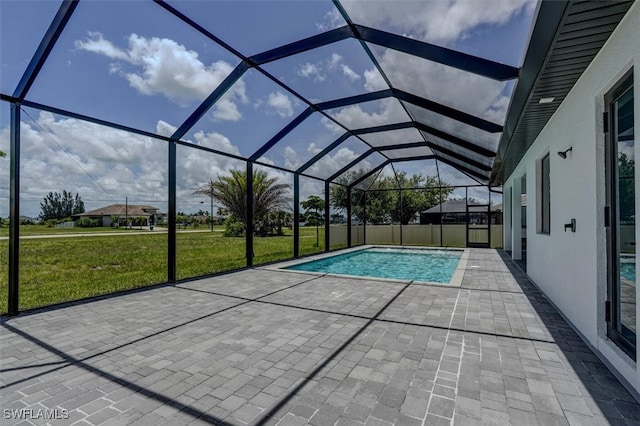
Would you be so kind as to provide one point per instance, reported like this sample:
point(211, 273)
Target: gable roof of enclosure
point(427, 128)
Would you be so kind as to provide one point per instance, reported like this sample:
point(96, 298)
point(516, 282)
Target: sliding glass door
point(621, 217)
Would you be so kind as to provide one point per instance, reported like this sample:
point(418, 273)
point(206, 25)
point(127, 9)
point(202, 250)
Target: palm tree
point(316, 204)
point(231, 193)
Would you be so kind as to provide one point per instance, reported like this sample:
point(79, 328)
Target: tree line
point(383, 203)
point(61, 205)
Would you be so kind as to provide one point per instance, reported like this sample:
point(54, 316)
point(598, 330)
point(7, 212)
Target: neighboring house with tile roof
point(455, 211)
point(107, 214)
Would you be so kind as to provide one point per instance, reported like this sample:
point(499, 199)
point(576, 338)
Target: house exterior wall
point(570, 268)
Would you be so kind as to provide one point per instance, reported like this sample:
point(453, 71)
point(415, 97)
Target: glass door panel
point(626, 222)
point(621, 234)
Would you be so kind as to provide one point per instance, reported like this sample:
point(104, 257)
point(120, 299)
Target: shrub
point(233, 227)
point(50, 223)
point(87, 222)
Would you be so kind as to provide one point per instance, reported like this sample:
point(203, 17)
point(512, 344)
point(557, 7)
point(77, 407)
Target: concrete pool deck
point(280, 347)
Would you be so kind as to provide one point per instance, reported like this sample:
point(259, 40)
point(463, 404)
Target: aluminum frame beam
point(396, 126)
point(45, 47)
point(442, 55)
point(350, 165)
point(304, 45)
point(219, 91)
point(454, 114)
point(324, 152)
point(369, 173)
point(281, 134)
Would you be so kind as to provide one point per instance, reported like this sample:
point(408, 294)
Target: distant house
point(455, 211)
point(106, 215)
point(523, 203)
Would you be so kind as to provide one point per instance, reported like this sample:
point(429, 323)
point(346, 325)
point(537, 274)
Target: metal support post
point(171, 241)
point(327, 221)
point(296, 215)
point(14, 212)
point(249, 239)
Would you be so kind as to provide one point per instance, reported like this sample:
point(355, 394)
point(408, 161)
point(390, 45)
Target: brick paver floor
point(276, 347)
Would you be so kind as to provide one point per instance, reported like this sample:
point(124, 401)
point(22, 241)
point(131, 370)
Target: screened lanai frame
point(444, 146)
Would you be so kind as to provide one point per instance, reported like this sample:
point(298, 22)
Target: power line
point(69, 155)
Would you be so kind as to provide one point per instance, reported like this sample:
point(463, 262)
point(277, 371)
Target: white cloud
point(97, 44)
point(106, 165)
point(329, 164)
point(216, 141)
point(374, 81)
point(393, 137)
point(349, 73)
point(331, 20)
point(226, 110)
point(440, 22)
point(468, 92)
point(161, 66)
point(281, 103)
point(165, 129)
point(115, 68)
point(443, 22)
point(291, 160)
point(310, 70)
point(332, 65)
point(313, 149)
point(355, 117)
point(334, 60)
point(103, 165)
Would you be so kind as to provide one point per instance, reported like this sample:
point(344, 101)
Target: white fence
point(425, 235)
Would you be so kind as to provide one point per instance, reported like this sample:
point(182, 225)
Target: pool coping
point(455, 281)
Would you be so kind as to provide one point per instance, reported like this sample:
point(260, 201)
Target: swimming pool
point(628, 268)
point(423, 265)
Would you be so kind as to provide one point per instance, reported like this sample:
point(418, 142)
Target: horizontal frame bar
point(442, 55)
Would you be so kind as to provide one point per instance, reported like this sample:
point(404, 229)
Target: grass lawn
point(45, 230)
point(55, 270)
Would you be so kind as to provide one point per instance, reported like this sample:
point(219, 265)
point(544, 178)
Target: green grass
point(45, 230)
point(54, 270)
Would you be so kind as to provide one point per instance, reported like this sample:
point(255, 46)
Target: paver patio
point(269, 347)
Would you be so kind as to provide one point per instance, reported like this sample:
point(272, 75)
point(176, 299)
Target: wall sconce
point(570, 226)
point(563, 154)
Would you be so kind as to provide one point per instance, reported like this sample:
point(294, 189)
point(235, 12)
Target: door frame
point(487, 228)
point(611, 216)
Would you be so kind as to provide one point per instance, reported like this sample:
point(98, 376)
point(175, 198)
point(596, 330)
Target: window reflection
point(626, 274)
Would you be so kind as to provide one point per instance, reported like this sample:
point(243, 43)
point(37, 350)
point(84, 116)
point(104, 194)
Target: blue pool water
point(402, 264)
point(628, 270)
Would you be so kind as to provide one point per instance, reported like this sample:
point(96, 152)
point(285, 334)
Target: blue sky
point(135, 64)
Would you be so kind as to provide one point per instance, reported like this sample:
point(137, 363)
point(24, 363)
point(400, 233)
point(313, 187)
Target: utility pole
point(126, 212)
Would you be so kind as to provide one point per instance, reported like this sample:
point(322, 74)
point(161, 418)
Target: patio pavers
point(346, 296)
point(270, 347)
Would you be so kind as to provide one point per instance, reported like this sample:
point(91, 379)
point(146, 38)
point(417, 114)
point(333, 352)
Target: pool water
point(628, 270)
point(401, 264)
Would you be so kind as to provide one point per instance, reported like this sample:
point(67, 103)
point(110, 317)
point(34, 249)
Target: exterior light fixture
point(563, 154)
point(546, 100)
